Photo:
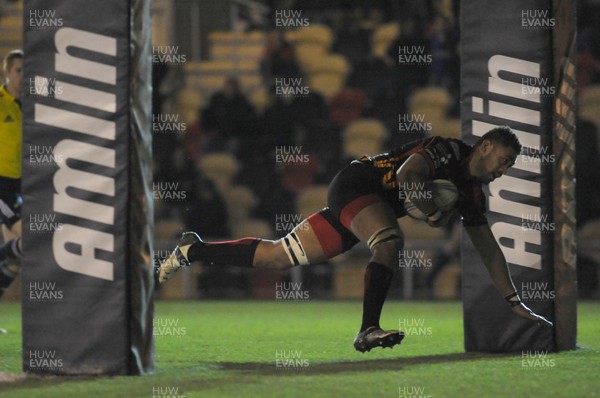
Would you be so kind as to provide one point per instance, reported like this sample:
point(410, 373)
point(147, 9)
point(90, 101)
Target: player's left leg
point(314, 240)
point(299, 247)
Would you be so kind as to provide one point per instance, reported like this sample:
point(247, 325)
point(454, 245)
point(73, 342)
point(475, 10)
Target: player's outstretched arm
point(495, 262)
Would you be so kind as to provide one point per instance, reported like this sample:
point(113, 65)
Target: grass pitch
point(304, 349)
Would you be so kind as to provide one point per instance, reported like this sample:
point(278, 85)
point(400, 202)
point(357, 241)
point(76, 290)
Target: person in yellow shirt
point(10, 167)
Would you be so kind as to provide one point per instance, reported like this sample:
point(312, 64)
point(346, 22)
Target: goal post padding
point(508, 78)
point(87, 203)
point(565, 241)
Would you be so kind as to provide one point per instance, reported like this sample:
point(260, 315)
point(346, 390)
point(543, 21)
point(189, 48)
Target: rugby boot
point(376, 337)
point(178, 258)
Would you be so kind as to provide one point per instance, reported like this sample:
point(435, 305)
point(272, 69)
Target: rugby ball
point(444, 194)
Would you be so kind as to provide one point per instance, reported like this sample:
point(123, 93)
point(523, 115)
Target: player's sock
point(10, 249)
point(378, 279)
point(229, 253)
point(6, 276)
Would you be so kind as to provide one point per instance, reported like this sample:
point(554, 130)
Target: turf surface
point(304, 349)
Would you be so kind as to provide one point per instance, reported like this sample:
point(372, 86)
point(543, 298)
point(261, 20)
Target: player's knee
point(284, 253)
point(386, 244)
point(387, 253)
point(294, 249)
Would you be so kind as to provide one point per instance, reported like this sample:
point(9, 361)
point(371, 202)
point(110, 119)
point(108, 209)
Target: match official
point(10, 167)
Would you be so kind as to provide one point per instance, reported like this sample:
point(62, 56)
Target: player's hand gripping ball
point(444, 194)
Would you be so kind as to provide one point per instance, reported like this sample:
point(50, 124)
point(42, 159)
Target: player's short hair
point(10, 57)
point(502, 135)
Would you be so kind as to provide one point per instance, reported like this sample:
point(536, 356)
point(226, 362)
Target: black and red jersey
point(448, 159)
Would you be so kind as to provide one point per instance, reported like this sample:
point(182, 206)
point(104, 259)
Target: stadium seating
point(433, 102)
point(357, 148)
point(383, 37)
point(188, 103)
point(315, 33)
point(450, 128)
point(240, 203)
point(231, 54)
point(221, 168)
point(253, 227)
point(346, 106)
point(11, 27)
point(309, 54)
point(328, 74)
point(312, 199)
point(259, 99)
point(311, 44)
point(366, 128)
point(364, 137)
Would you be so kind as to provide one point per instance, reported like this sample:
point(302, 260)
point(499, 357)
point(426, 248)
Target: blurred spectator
point(354, 33)
point(587, 205)
point(587, 169)
point(289, 117)
point(373, 76)
point(164, 144)
point(275, 200)
point(443, 41)
point(587, 70)
point(278, 122)
point(229, 118)
point(412, 38)
point(588, 45)
point(205, 209)
point(279, 59)
point(309, 108)
point(167, 82)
